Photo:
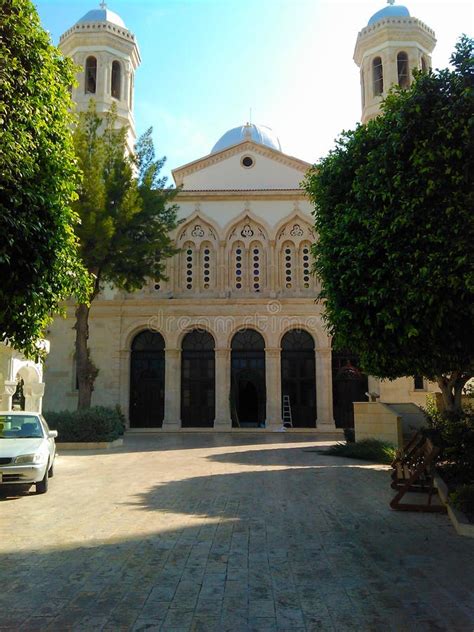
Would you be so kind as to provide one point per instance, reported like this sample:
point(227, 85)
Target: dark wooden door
point(147, 381)
point(198, 382)
point(350, 385)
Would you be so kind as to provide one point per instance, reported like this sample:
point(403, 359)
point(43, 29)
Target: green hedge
point(366, 450)
point(92, 424)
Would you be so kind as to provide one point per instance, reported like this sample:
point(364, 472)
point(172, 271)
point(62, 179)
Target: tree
point(393, 211)
point(39, 262)
point(126, 216)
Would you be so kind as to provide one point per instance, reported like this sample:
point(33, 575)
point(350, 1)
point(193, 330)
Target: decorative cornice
point(241, 194)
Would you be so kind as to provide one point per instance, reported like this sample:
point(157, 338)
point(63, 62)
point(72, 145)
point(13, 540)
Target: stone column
point(34, 396)
point(172, 420)
point(124, 383)
point(223, 419)
point(325, 415)
point(6, 394)
point(273, 384)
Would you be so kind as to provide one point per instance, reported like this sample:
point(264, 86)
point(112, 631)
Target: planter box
point(459, 520)
point(89, 445)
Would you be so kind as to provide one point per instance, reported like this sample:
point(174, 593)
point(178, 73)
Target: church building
point(235, 331)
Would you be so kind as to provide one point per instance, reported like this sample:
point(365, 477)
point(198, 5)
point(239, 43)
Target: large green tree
point(39, 263)
point(126, 216)
point(394, 215)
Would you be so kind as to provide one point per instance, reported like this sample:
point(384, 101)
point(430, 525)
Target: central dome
point(258, 133)
point(392, 11)
point(102, 15)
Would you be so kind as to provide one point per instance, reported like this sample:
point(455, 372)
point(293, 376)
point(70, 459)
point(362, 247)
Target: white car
point(27, 450)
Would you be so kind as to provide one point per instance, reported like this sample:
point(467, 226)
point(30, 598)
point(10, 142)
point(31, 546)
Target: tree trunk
point(86, 371)
point(451, 390)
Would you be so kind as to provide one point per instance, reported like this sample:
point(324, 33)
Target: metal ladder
point(287, 418)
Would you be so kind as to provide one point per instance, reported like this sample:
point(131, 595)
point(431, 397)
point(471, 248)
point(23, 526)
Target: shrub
point(454, 432)
point(366, 450)
point(463, 499)
point(91, 424)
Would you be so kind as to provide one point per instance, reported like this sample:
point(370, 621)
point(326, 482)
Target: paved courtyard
point(230, 532)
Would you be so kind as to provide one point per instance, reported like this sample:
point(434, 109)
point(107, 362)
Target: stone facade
point(244, 265)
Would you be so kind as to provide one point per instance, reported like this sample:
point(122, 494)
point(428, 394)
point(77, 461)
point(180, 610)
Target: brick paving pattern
point(227, 533)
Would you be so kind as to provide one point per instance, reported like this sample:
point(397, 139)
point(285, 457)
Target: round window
point(247, 162)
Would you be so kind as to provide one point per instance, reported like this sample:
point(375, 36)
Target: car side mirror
point(52, 434)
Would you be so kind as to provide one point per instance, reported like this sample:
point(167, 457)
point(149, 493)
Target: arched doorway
point(198, 382)
point(298, 376)
point(147, 380)
point(248, 393)
point(349, 385)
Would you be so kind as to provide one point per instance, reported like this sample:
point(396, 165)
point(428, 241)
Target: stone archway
point(298, 376)
point(198, 382)
point(248, 389)
point(147, 380)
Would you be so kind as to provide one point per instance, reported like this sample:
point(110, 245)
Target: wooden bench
point(413, 470)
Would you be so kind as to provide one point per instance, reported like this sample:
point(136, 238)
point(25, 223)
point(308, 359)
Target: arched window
point(403, 70)
point(256, 267)
point(362, 87)
point(115, 86)
point(208, 267)
point(239, 266)
point(188, 262)
point(377, 76)
point(288, 266)
point(132, 84)
point(305, 266)
point(91, 75)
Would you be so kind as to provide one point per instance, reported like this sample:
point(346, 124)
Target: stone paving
point(227, 533)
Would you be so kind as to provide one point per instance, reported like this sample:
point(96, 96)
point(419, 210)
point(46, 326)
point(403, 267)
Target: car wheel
point(51, 472)
point(42, 486)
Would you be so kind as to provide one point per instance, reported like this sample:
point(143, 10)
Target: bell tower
point(108, 55)
point(387, 51)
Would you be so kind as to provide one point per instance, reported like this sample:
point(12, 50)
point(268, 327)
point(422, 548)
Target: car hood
point(14, 447)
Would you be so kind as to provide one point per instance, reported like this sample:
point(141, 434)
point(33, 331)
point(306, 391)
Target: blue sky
point(205, 63)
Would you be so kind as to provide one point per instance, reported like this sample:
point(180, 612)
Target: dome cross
point(391, 2)
point(103, 4)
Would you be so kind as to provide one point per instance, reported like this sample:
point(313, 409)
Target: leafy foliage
point(454, 432)
point(463, 499)
point(92, 424)
point(393, 212)
point(126, 218)
point(365, 450)
point(39, 264)
point(126, 213)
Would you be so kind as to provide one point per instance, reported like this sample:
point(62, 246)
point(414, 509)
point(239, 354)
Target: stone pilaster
point(223, 419)
point(34, 396)
point(273, 384)
point(172, 420)
point(7, 390)
point(325, 415)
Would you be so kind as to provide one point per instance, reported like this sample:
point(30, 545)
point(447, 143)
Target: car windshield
point(20, 427)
